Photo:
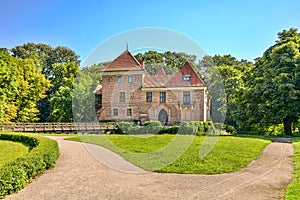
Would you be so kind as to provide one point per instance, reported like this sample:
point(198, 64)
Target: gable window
point(122, 97)
point(129, 112)
point(119, 79)
point(186, 98)
point(115, 111)
point(187, 78)
point(130, 79)
point(162, 97)
point(149, 97)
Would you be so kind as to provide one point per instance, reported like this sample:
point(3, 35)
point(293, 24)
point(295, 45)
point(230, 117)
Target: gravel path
point(79, 175)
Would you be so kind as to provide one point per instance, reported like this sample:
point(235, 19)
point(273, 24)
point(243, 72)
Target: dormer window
point(186, 78)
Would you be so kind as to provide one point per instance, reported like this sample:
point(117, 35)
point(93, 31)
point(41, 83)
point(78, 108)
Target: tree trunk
point(287, 123)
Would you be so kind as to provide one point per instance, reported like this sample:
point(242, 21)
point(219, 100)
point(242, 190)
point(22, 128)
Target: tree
point(64, 75)
point(171, 62)
point(223, 76)
point(22, 85)
point(273, 89)
point(46, 56)
point(84, 102)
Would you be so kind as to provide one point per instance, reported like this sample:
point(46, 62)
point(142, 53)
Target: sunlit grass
point(182, 153)
point(293, 189)
point(10, 151)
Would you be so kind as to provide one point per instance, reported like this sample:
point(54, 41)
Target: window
point(129, 112)
point(186, 78)
point(162, 97)
point(122, 97)
point(130, 79)
point(119, 79)
point(149, 97)
point(186, 98)
point(115, 112)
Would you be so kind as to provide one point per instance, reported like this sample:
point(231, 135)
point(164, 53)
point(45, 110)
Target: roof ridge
point(124, 62)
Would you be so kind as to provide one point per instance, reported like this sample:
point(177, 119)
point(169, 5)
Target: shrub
point(219, 126)
point(16, 174)
point(188, 128)
point(169, 130)
point(197, 128)
point(123, 127)
point(152, 127)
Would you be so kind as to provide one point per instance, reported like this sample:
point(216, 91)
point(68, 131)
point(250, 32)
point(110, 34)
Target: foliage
point(84, 102)
point(293, 190)
point(21, 85)
point(272, 89)
point(30, 142)
point(171, 62)
point(155, 127)
point(169, 130)
point(223, 76)
point(197, 128)
point(150, 127)
point(48, 60)
point(61, 99)
point(228, 154)
point(16, 174)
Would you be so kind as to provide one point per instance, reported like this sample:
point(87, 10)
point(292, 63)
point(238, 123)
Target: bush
point(197, 128)
point(16, 174)
point(169, 130)
point(151, 127)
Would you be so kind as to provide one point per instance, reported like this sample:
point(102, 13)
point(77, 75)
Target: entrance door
point(163, 117)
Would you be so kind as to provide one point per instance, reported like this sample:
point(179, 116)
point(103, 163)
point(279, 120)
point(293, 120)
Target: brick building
point(128, 92)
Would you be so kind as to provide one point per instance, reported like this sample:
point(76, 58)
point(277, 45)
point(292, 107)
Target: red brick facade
point(129, 93)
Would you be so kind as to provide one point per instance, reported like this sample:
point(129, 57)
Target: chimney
point(143, 64)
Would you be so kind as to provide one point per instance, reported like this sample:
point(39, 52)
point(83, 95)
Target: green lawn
point(10, 151)
point(293, 189)
point(182, 153)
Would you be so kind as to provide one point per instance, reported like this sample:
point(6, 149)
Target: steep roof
point(186, 71)
point(161, 72)
point(124, 62)
point(162, 80)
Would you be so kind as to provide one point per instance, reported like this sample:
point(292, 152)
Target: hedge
point(30, 142)
point(16, 174)
point(153, 127)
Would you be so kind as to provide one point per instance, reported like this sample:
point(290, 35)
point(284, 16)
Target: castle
point(128, 92)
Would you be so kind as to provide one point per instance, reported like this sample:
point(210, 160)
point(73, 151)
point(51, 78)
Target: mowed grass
point(182, 153)
point(293, 189)
point(10, 151)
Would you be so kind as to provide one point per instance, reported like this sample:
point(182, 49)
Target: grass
point(182, 153)
point(10, 151)
point(293, 189)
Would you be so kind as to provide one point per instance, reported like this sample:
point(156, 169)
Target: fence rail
point(59, 127)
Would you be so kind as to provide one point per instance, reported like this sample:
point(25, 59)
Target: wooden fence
point(59, 127)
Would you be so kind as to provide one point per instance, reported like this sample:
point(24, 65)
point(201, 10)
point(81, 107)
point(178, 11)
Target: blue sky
point(244, 29)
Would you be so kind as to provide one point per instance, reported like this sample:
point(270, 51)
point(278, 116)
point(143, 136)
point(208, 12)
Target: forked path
point(79, 175)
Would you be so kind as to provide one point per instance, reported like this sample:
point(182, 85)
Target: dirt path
point(79, 175)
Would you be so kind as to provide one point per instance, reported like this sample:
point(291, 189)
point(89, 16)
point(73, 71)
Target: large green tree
point(223, 76)
point(272, 92)
point(84, 102)
point(63, 80)
point(22, 85)
point(171, 62)
point(46, 58)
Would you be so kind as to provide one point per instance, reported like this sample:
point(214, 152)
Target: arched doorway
point(163, 116)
